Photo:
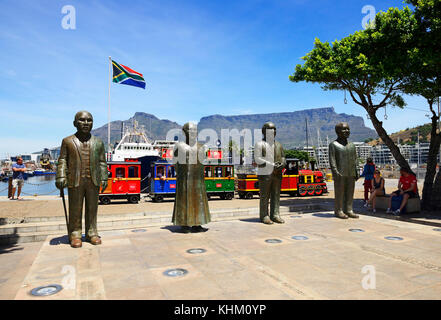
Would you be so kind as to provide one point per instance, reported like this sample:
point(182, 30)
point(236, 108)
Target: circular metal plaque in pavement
point(393, 238)
point(196, 251)
point(273, 241)
point(175, 272)
point(356, 230)
point(299, 238)
point(46, 290)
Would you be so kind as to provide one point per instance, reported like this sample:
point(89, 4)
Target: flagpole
point(108, 111)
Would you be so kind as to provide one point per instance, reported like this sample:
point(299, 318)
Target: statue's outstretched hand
point(61, 183)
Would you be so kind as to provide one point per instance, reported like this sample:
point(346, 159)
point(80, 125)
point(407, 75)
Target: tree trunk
point(378, 125)
point(435, 140)
point(436, 193)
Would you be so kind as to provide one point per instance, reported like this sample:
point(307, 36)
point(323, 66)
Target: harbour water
point(36, 185)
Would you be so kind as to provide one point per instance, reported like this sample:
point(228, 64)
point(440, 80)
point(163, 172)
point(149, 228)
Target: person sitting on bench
point(407, 188)
point(377, 188)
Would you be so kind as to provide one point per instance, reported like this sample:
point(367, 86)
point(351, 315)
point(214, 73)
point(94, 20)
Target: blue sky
point(198, 58)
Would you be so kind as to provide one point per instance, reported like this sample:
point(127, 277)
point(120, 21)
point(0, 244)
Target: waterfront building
point(382, 155)
point(364, 150)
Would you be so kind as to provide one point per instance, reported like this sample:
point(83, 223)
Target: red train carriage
point(124, 182)
point(295, 182)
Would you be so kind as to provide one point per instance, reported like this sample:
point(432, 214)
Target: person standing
point(368, 174)
point(270, 158)
point(343, 162)
point(18, 172)
point(82, 168)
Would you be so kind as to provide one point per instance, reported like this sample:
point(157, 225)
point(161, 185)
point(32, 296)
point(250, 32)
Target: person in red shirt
point(407, 187)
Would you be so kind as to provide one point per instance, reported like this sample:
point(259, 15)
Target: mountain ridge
point(290, 125)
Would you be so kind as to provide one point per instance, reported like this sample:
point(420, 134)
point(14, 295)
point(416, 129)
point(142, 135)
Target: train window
point(133, 172)
point(109, 173)
point(228, 172)
point(160, 172)
point(171, 173)
point(207, 172)
point(120, 172)
point(218, 172)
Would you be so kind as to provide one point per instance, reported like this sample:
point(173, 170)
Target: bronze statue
point(270, 159)
point(190, 209)
point(343, 161)
point(82, 169)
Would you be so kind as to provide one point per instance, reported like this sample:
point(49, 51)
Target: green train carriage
point(219, 181)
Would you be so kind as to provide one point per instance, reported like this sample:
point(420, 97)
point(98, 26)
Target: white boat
point(134, 145)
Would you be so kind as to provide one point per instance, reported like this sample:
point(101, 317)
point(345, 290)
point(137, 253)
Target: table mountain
point(155, 129)
point(290, 125)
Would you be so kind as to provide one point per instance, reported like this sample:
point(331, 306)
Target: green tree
point(297, 154)
point(425, 81)
point(369, 64)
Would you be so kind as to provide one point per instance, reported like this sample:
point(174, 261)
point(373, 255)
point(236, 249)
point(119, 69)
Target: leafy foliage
point(299, 154)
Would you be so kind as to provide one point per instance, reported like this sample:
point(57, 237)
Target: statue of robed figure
point(190, 209)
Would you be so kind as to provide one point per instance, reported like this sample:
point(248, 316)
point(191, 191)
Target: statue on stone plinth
point(191, 203)
point(270, 159)
point(82, 168)
point(343, 162)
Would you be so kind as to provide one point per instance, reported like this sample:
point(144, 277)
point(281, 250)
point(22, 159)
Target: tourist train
point(219, 181)
point(126, 180)
point(123, 182)
point(295, 182)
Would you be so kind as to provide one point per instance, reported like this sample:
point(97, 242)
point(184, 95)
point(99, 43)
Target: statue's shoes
point(186, 229)
point(266, 220)
point(76, 243)
point(95, 240)
point(198, 229)
point(277, 219)
point(351, 214)
point(340, 215)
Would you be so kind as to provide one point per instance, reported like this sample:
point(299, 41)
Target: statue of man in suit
point(82, 168)
point(270, 159)
point(343, 161)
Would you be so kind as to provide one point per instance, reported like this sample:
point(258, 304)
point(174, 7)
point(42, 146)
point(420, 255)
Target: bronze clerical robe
point(191, 202)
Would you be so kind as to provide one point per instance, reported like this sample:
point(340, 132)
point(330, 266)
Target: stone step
point(38, 231)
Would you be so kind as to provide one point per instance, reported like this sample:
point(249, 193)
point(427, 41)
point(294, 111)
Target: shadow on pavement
point(59, 240)
point(254, 220)
point(324, 215)
point(10, 239)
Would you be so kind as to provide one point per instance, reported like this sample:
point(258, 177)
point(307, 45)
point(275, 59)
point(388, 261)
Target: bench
point(413, 204)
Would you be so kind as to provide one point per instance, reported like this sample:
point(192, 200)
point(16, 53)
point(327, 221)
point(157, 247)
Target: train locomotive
point(295, 182)
point(123, 182)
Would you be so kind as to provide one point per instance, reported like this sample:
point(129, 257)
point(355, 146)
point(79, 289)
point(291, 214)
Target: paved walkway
point(237, 263)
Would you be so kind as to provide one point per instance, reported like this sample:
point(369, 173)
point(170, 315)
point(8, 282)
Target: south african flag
point(125, 75)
